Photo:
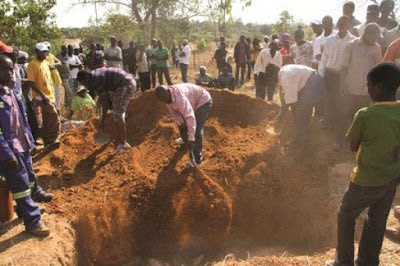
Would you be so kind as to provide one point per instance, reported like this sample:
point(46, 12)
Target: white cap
point(47, 44)
point(80, 88)
point(22, 54)
point(75, 46)
point(41, 47)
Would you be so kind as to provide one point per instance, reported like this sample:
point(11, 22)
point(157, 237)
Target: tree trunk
point(153, 24)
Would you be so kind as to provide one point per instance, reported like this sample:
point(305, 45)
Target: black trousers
point(163, 71)
point(242, 69)
point(144, 80)
point(357, 198)
point(153, 72)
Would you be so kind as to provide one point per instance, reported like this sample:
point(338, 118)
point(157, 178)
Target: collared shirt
point(292, 79)
point(361, 28)
point(377, 129)
point(63, 69)
point(39, 73)
point(354, 22)
point(161, 53)
point(391, 35)
point(302, 54)
point(114, 52)
point(109, 79)
point(265, 58)
point(319, 45)
point(359, 58)
point(332, 57)
point(393, 52)
point(74, 60)
point(142, 63)
point(186, 99)
point(20, 138)
point(185, 59)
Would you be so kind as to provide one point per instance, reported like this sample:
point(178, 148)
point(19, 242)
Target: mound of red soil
point(147, 203)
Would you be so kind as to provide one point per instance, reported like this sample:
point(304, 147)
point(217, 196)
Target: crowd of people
point(347, 76)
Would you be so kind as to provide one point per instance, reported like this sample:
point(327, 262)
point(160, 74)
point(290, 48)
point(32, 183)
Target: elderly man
point(360, 56)
point(331, 69)
point(184, 59)
point(189, 106)
point(16, 142)
point(202, 78)
point(112, 83)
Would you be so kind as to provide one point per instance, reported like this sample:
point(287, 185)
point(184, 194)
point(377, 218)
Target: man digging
point(112, 83)
point(189, 106)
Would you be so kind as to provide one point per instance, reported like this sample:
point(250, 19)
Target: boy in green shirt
point(375, 136)
point(161, 55)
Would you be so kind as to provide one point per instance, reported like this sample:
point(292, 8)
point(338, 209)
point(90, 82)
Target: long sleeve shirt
point(332, 57)
point(186, 99)
point(359, 58)
point(265, 58)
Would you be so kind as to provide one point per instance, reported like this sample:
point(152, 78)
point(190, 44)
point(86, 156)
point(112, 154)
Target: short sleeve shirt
point(377, 128)
point(39, 73)
point(114, 52)
point(82, 102)
point(161, 52)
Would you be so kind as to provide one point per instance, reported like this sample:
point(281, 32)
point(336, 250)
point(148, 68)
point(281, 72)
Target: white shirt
point(319, 45)
point(74, 60)
point(391, 36)
point(265, 58)
point(359, 58)
point(361, 28)
point(143, 65)
point(302, 54)
point(264, 45)
point(292, 79)
point(114, 52)
point(332, 57)
point(185, 59)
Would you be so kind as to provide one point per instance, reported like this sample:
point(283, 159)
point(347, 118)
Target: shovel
point(101, 137)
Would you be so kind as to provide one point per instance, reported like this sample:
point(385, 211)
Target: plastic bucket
point(6, 203)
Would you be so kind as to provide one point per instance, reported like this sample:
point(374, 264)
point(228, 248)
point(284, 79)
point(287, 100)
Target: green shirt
point(163, 52)
point(377, 128)
point(78, 102)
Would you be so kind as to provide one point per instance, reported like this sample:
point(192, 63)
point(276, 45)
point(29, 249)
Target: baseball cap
point(80, 88)
point(41, 47)
point(47, 44)
point(22, 54)
point(5, 48)
point(75, 46)
point(316, 22)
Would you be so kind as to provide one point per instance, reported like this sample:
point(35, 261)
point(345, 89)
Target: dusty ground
point(261, 202)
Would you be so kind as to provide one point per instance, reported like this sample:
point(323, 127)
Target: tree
point(149, 13)
point(23, 23)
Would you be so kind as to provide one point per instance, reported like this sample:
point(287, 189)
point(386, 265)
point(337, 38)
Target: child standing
point(375, 135)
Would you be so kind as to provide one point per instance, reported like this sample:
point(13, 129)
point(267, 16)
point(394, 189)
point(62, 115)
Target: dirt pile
point(147, 203)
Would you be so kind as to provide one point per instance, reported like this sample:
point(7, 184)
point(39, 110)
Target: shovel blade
point(102, 138)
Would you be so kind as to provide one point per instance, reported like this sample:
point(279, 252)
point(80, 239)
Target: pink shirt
point(18, 134)
point(186, 99)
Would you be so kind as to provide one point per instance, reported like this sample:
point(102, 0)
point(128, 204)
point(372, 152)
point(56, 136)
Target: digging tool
point(102, 137)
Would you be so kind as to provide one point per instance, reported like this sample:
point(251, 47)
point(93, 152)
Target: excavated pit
point(146, 203)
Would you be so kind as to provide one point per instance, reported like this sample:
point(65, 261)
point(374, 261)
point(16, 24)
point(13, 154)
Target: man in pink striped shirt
point(189, 106)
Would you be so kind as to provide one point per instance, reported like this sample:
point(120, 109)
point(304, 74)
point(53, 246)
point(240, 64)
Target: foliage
point(23, 23)
point(202, 45)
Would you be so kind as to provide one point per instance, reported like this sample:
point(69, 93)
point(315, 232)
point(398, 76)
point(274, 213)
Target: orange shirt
point(393, 52)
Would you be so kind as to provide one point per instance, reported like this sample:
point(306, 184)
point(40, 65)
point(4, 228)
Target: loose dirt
point(146, 203)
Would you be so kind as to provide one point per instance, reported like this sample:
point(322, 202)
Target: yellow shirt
point(39, 73)
point(51, 59)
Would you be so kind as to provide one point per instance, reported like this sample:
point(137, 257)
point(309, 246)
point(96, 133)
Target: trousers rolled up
point(22, 184)
point(357, 198)
point(50, 121)
point(201, 114)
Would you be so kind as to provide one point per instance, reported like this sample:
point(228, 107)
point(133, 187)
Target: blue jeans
point(201, 115)
point(357, 198)
point(23, 184)
point(184, 71)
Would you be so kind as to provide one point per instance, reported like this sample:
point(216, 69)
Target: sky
point(261, 11)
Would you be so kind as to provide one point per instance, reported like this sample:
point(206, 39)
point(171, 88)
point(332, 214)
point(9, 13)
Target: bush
point(202, 45)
